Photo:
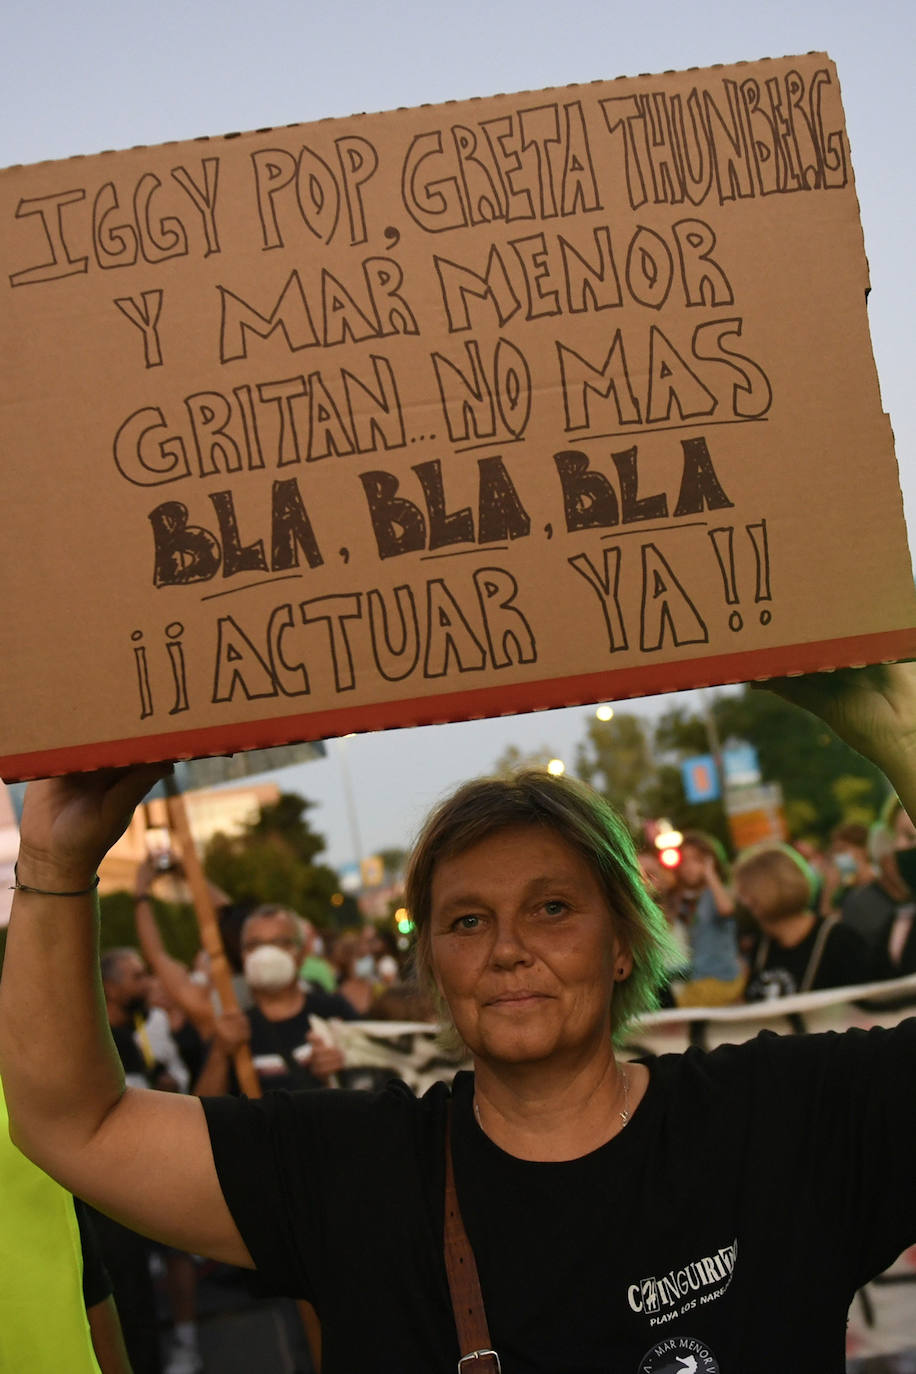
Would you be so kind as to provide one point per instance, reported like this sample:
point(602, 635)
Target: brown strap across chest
point(477, 1355)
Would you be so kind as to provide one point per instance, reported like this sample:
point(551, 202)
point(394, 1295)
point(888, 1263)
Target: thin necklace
point(623, 1112)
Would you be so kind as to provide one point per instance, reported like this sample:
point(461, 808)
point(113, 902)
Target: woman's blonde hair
point(783, 882)
point(578, 815)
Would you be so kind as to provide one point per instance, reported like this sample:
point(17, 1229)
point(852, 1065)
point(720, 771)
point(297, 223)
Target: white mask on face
point(846, 864)
point(269, 968)
point(364, 967)
point(388, 969)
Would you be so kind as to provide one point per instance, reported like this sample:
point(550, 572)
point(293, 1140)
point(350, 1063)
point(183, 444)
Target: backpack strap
point(817, 952)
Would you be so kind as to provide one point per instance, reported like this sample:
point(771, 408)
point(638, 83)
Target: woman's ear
point(623, 966)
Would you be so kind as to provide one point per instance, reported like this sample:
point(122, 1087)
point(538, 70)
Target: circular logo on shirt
point(679, 1355)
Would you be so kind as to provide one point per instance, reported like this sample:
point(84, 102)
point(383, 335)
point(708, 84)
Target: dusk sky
point(76, 79)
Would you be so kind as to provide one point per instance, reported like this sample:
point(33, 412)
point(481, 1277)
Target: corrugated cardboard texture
point(440, 413)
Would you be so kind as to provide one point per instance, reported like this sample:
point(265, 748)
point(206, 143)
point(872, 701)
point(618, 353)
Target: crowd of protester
point(172, 1033)
point(789, 918)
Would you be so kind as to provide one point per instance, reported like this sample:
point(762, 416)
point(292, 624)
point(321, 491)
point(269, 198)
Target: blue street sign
point(701, 780)
point(740, 764)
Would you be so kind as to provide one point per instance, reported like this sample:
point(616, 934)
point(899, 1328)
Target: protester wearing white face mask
point(357, 976)
point(286, 1050)
point(849, 868)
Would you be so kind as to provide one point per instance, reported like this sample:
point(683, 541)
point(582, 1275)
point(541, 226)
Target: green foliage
point(616, 759)
point(176, 922)
point(821, 777)
point(272, 861)
point(346, 916)
point(679, 732)
point(801, 818)
point(823, 780)
point(855, 798)
point(116, 918)
point(393, 860)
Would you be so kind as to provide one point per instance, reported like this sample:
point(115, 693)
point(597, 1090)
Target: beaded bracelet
point(17, 886)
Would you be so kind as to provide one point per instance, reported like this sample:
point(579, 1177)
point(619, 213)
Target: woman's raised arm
point(142, 1156)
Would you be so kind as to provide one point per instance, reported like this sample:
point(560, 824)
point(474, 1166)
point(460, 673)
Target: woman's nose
point(509, 947)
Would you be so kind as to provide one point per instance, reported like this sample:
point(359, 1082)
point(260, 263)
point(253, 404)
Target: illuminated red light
point(670, 857)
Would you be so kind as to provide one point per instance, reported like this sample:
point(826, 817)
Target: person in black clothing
point(287, 1052)
point(883, 911)
point(141, 1033)
point(873, 908)
point(104, 1322)
point(794, 949)
point(709, 1211)
point(151, 1057)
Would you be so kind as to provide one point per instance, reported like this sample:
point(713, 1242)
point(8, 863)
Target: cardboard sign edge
point(468, 704)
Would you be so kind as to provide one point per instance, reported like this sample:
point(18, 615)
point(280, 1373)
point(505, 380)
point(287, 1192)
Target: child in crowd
point(706, 909)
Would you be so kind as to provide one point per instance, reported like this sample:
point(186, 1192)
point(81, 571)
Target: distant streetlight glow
point(556, 768)
point(404, 923)
point(605, 712)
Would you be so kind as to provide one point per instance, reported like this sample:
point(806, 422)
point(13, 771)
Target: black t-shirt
point(132, 1060)
point(869, 910)
point(731, 1222)
point(780, 972)
point(903, 961)
point(96, 1283)
point(281, 1049)
point(192, 1048)
point(872, 911)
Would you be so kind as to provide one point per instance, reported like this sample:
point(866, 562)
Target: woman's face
point(523, 947)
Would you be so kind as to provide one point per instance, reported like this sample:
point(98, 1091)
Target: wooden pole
point(208, 925)
point(221, 975)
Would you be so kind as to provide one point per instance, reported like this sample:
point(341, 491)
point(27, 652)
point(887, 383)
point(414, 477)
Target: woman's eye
point(555, 908)
point(466, 923)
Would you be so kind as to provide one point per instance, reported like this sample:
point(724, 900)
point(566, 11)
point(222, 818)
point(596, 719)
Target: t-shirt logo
point(662, 1298)
point(679, 1355)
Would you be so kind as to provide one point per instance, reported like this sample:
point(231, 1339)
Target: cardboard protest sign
point(440, 413)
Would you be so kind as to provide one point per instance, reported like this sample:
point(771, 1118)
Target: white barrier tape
point(785, 1006)
point(409, 1049)
point(777, 1008)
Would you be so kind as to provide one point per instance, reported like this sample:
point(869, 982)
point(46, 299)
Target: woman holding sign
point(709, 1212)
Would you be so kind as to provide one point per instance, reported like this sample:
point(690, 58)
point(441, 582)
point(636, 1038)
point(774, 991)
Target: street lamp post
point(350, 801)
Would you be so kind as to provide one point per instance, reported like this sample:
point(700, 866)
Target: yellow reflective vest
point(43, 1323)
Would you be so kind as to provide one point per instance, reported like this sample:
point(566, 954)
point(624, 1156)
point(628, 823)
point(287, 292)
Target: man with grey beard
point(287, 1051)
